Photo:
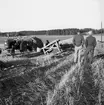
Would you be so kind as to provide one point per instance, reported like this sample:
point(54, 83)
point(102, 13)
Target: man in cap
point(90, 44)
point(78, 41)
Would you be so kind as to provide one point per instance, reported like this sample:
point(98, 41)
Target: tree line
point(69, 31)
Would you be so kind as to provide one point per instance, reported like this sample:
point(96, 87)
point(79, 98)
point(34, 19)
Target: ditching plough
point(51, 46)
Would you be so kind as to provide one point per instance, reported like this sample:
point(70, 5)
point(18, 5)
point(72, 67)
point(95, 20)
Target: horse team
point(23, 44)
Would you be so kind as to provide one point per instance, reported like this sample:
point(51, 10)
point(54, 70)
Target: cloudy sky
point(102, 10)
point(18, 15)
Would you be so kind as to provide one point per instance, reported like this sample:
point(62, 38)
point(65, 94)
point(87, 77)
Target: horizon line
point(52, 29)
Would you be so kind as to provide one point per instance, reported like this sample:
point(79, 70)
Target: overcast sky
point(16, 15)
point(102, 10)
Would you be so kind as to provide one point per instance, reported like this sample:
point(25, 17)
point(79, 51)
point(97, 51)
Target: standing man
point(0, 50)
point(90, 44)
point(78, 41)
point(47, 42)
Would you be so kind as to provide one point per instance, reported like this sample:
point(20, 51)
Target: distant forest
point(70, 31)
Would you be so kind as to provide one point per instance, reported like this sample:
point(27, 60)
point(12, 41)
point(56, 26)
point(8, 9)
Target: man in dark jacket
point(78, 41)
point(47, 42)
point(90, 44)
point(0, 50)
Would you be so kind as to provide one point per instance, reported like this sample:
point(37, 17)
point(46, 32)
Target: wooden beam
point(50, 46)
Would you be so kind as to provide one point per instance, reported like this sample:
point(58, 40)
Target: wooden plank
point(50, 46)
point(51, 43)
point(58, 46)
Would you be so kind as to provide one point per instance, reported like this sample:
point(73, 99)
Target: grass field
point(43, 38)
point(53, 37)
point(52, 80)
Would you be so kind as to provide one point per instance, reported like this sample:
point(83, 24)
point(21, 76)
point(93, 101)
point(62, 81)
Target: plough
point(52, 45)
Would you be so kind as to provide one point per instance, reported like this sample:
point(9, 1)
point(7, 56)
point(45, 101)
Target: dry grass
point(79, 86)
point(98, 74)
point(53, 80)
point(28, 82)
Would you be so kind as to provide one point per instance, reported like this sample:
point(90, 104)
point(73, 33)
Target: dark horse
point(9, 43)
point(37, 43)
point(30, 44)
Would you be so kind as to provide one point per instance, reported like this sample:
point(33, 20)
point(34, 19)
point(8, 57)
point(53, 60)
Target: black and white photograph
point(51, 52)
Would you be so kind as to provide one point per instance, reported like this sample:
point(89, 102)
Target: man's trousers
point(77, 54)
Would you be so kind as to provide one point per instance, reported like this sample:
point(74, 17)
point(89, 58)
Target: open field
point(51, 38)
point(43, 37)
point(52, 79)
